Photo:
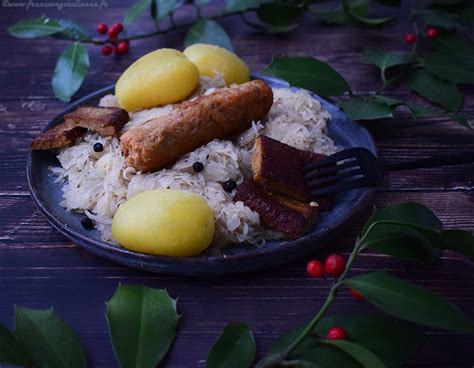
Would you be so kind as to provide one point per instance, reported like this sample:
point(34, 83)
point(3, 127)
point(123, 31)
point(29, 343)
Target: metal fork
point(348, 169)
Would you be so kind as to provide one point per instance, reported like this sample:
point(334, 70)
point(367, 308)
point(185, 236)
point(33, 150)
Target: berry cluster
point(431, 33)
point(117, 46)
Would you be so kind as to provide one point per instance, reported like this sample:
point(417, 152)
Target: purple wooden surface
point(39, 267)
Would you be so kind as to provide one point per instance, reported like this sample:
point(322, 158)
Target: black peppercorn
point(98, 147)
point(198, 166)
point(229, 185)
point(87, 223)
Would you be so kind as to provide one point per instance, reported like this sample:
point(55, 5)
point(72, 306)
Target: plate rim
point(167, 265)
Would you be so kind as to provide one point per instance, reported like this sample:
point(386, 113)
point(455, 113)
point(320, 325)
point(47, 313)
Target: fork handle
point(430, 162)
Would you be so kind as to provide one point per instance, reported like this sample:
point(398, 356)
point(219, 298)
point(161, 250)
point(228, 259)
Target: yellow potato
point(211, 59)
point(165, 222)
point(161, 77)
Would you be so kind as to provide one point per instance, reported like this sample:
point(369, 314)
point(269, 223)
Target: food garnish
point(59, 136)
point(164, 222)
point(284, 214)
point(162, 77)
point(159, 142)
point(212, 60)
point(106, 121)
point(87, 223)
point(198, 166)
point(98, 147)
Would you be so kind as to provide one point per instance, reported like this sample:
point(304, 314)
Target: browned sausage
point(161, 141)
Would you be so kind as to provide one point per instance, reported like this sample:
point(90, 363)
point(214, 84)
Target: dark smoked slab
point(39, 267)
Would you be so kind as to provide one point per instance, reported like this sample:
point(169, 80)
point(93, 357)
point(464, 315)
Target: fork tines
point(348, 169)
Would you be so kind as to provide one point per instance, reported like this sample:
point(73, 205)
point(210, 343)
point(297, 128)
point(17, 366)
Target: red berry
point(113, 33)
point(315, 268)
point(118, 26)
point(121, 48)
point(334, 265)
point(357, 295)
point(102, 28)
point(432, 33)
point(336, 333)
point(107, 50)
point(410, 38)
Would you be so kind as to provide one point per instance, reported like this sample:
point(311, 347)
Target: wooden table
point(39, 267)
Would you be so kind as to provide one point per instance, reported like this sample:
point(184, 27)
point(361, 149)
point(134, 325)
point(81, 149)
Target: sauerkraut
point(96, 183)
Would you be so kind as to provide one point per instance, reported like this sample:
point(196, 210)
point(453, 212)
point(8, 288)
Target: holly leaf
point(235, 347)
point(33, 28)
point(419, 111)
point(135, 10)
point(439, 19)
point(461, 119)
point(208, 31)
point(389, 101)
point(279, 17)
point(48, 339)
point(358, 352)
point(142, 325)
point(11, 350)
point(453, 43)
point(461, 241)
point(436, 90)
point(410, 302)
point(402, 242)
point(367, 21)
point(449, 67)
point(70, 71)
point(410, 214)
point(72, 31)
point(160, 9)
point(310, 73)
point(242, 5)
point(385, 60)
point(389, 339)
point(366, 109)
point(329, 16)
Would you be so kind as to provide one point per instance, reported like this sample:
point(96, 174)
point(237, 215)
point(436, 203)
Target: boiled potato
point(161, 77)
point(165, 222)
point(211, 59)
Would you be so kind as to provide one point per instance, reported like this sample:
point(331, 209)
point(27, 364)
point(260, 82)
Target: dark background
point(39, 267)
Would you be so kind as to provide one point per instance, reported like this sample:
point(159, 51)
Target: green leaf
point(235, 347)
point(208, 31)
point(419, 111)
point(49, 340)
point(455, 44)
point(389, 339)
point(385, 60)
point(401, 241)
point(440, 19)
point(142, 325)
point(449, 67)
point(389, 101)
point(461, 119)
point(366, 109)
point(358, 352)
point(70, 71)
point(461, 241)
point(11, 351)
point(410, 302)
point(135, 10)
point(329, 16)
point(325, 355)
point(242, 5)
point(72, 30)
point(298, 364)
point(370, 22)
point(310, 73)
point(33, 28)
point(411, 214)
point(279, 17)
point(435, 89)
point(160, 9)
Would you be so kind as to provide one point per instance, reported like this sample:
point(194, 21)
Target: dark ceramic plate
point(236, 258)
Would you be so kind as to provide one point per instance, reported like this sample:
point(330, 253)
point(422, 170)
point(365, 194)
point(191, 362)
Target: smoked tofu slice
point(283, 214)
point(279, 168)
point(60, 136)
point(107, 121)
